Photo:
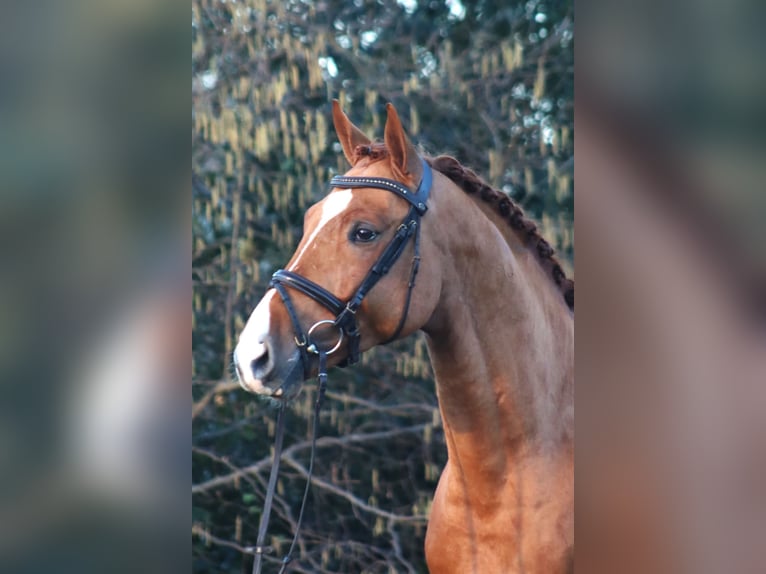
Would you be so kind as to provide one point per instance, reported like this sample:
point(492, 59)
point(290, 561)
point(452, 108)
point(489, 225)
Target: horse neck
point(500, 341)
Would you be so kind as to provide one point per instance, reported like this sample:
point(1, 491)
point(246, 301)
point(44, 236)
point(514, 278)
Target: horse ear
point(404, 157)
point(349, 135)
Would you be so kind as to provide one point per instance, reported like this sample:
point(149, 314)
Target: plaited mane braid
point(467, 180)
point(471, 183)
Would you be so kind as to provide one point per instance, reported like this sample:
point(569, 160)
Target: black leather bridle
point(346, 323)
point(345, 312)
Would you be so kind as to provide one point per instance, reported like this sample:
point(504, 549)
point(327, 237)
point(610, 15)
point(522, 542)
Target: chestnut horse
point(497, 313)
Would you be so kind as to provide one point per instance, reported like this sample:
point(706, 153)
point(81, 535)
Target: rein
point(259, 550)
point(346, 323)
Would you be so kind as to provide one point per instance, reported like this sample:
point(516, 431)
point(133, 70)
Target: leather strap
point(259, 550)
point(410, 284)
point(308, 287)
point(322, 381)
point(301, 339)
point(418, 199)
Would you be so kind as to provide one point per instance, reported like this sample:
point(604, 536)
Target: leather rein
point(346, 323)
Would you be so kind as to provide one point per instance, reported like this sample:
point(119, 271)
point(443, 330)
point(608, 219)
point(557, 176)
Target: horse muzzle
point(261, 372)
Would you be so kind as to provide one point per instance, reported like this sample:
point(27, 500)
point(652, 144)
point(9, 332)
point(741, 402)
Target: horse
point(473, 274)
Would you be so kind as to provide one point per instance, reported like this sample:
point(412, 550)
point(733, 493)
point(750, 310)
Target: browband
point(418, 199)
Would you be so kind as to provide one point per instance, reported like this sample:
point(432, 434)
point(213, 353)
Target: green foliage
point(488, 82)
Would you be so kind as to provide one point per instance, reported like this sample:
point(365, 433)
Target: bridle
point(345, 321)
point(345, 312)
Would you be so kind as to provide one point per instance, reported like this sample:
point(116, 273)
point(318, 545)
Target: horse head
point(350, 285)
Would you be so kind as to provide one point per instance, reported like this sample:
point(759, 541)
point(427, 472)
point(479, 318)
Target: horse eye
point(363, 235)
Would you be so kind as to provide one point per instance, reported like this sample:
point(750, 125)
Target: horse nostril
point(261, 365)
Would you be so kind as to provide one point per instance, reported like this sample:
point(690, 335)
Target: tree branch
point(359, 503)
point(289, 452)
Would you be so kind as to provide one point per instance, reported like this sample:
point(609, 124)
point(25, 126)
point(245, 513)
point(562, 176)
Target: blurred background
point(94, 296)
point(671, 345)
point(488, 82)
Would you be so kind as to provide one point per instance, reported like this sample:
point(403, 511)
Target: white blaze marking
point(251, 341)
point(251, 344)
point(335, 204)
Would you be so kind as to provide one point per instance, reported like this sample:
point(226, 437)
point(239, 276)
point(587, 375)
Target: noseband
point(345, 312)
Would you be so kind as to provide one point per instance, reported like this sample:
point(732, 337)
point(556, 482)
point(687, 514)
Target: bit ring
point(312, 348)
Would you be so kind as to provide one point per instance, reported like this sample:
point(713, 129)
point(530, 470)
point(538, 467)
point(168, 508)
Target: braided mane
point(524, 227)
point(467, 180)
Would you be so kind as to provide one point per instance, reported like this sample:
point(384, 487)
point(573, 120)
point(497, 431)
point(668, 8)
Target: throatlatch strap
point(410, 285)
